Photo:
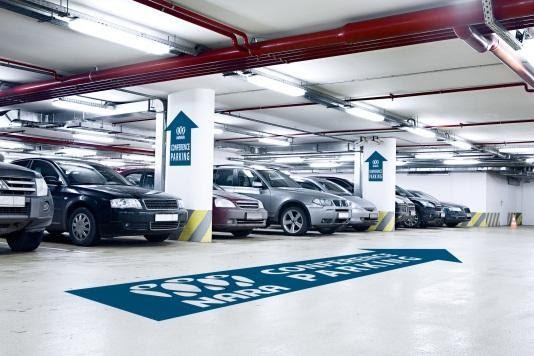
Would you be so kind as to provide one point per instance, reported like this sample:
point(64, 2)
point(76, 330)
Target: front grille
point(164, 225)
point(402, 208)
point(341, 203)
point(24, 210)
point(17, 186)
point(161, 204)
point(248, 222)
point(247, 204)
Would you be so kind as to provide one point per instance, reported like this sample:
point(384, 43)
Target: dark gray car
point(294, 208)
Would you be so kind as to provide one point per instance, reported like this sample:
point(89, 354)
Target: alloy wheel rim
point(81, 226)
point(292, 221)
point(413, 221)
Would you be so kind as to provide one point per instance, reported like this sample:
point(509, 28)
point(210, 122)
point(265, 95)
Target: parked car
point(26, 207)
point(236, 213)
point(364, 213)
point(294, 208)
point(454, 213)
point(91, 201)
point(428, 213)
point(404, 208)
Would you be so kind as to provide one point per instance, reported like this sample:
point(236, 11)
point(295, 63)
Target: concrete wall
point(527, 202)
point(502, 197)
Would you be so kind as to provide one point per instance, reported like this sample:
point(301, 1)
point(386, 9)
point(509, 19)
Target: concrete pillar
point(358, 166)
point(159, 148)
point(189, 158)
point(378, 180)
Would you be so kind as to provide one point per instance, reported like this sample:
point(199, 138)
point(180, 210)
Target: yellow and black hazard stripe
point(483, 219)
point(493, 219)
point(386, 222)
point(198, 227)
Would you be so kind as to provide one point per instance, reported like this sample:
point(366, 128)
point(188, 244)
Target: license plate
point(373, 216)
point(343, 215)
point(254, 216)
point(9, 201)
point(166, 217)
point(442, 214)
point(412, 213)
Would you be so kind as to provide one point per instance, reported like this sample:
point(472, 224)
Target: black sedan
point(92, 201)
point(454, 213)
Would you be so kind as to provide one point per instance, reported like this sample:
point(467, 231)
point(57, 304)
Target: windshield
point(278, 179)
point(403, 192)
point(333, 188)
point(81, 173)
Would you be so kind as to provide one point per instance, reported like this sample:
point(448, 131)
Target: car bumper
point(456, 217)
point(329, 216)
point(143, 222)
point(35, 216)
point(235, 219)
point(432, 216)
point(363, 218)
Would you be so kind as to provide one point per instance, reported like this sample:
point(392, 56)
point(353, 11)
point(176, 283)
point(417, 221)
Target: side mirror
point(50, 180)
point(257, 184)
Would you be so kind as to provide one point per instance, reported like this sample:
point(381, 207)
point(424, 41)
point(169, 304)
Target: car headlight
point(180, 203)
point(322, 202)
point(260, 205)
point(223, 203)
point(125, 204)
point(41, 188)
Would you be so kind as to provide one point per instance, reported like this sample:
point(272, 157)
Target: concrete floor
point(484, 306)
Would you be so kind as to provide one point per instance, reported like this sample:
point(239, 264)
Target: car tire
point(360, 228)
point(241, 233)
point(83, 230)
point(294, 221)
point(157, 238)
point(412, 221)
point(451, 224)
point(327, 230)
point(24, 241)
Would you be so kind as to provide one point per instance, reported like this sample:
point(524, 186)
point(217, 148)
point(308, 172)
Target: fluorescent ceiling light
point(112, 163)
point(346, 158)
point(134, 157)
point(365, 114)
point(77, 152)
point(218, 131)
point(276, 85)
point(87, 107)
point(419, 131)
point(434, 155)
point(111, 34)
point(11, 145)
point(517, 150)
point(93, 138)
point(288, 160)
point(324, 164)
point(461, 144)
point(273, 141)
point(401, 163)
point(461, 161)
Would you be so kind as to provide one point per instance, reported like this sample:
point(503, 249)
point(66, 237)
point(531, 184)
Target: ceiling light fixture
point(401, 163)
point(76, 152)
point(461, 144)
point(461, 161)
point(434, 155)
point(365, 114)
point(11, 145)
point(273, 141)
point(218, 131)
point(517, 150)
point(93, 138)
point(134, 157)
point(288, 160)
point(111, 34)
point(324, 164)
point(276, 85)
point(82, 106)
point(419, 131)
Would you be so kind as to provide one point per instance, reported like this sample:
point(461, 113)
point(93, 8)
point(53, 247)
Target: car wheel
point(157, 238)
point(327, 230)
point(242, 233)
point(82, 228)
point(412, 221)
point(451, 224)
point(24, 241)
point(294, 221)
point(360, 228)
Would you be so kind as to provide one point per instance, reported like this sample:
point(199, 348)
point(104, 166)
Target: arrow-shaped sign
point(376, 167)
point(167, 298)
point(180, 146)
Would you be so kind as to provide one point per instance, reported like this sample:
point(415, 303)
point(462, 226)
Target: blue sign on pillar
point(376, 167)
point(180, 146)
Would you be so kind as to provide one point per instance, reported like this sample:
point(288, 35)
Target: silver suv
point(296, 209)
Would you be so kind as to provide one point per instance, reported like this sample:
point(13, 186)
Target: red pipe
point(499, 48)
point(30, 66)
point(70, 143)
point(485, 123)
point(197, 19)
point(385, 32)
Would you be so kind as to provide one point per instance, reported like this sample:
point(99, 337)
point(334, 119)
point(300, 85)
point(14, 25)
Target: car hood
point(125, 191)
point(403, 199)
point(230, 196)
point(446, 204)
point(12, 170)
point(421, 200)
point(362, 203)
point(302, 193)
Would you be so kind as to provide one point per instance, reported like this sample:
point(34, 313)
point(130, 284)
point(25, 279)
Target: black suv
point(26, 207)
point(93, 201)
point(428, 212)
